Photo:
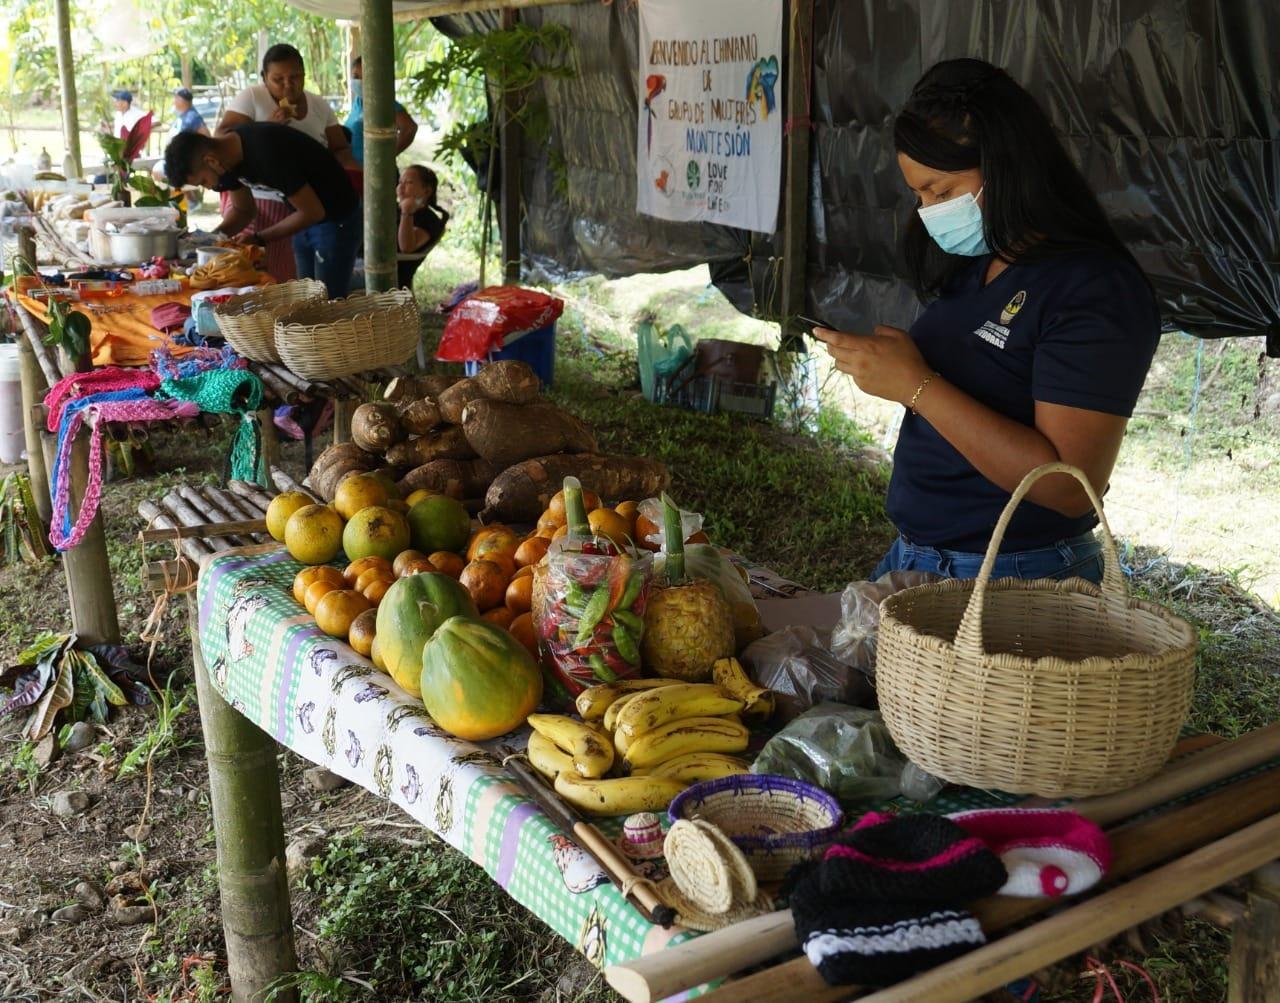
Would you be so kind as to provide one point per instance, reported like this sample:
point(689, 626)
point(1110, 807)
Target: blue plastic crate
point(537, 348)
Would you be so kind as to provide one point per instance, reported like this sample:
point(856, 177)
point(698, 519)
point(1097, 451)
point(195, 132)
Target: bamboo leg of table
point(343, 409)
point(1255, 942)
point(34, 387)
point(244, 792)
point(270, 445)
point(88, 569)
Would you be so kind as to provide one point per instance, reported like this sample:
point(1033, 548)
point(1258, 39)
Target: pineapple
point(687, 624)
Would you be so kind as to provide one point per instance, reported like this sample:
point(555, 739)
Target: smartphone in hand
point(809, 323)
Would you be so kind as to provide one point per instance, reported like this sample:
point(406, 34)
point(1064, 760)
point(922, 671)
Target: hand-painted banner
point(709, 141)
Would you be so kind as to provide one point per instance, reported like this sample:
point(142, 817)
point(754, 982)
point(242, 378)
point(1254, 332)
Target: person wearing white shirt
point(282, 98)
point(126, 116)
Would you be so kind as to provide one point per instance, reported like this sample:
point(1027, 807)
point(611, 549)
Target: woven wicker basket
point(248, 321)
point(776, 822)
point(323, 341)
point(1055, 688)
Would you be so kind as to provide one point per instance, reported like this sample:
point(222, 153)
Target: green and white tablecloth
point(314, 694)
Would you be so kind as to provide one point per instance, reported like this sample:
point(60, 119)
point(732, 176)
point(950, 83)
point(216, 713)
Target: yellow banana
point(684, 735)
point(592, 756)
point(610, 720)
point(729, 674)
point(620, 743)
point(545, 757)
point(617, 795)
point(595, 700)
point(646, 711)
point(693, 767)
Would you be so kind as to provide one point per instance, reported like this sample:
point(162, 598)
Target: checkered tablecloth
point(314, 694)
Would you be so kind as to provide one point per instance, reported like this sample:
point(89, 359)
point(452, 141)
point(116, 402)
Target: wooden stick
point(285, 375)
point(213, 512)
point(342, 412)
point(35, 338)
point(755, 941)
point(999, 963)
point(238, 508)
point(250, 493)
point(1254, 964)
point(33, 388)
point(191, 522)
point(270, 441)
point(156, 517)
point(284, 482)
point(282, 391)
point(180, 574)
point(244, 794)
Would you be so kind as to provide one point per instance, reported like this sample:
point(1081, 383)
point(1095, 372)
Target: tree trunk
point(67, 78)
point(186, 69)
point(378, 41)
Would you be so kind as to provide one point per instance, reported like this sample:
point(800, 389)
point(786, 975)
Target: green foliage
point(21, 532)
point(162, 737)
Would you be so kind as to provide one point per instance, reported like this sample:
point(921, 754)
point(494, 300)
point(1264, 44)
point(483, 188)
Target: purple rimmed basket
point(776, 822)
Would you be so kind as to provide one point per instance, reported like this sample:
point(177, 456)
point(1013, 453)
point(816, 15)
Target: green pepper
point(626, 644)
point(601, 669)
point(574, 596)
point(631, 592)
point(597, 605)
point(634, 622)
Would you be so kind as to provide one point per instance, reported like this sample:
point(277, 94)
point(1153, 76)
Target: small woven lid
point(642, 836)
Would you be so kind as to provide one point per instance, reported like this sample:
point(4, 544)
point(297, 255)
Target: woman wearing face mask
point(422, 221)
point(282, 98)
point(1033, 348)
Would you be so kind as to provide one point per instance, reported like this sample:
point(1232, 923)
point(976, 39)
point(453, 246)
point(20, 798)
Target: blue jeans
point(327, 251)
point(1080, 556)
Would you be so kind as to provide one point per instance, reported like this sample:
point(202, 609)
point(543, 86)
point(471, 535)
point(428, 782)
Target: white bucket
point(12, 438)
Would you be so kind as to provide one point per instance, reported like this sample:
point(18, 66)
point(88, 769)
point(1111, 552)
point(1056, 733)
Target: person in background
point(422, 221)
point(406, 127)
point(322, 217)
point(188, 119)
point(126, 116)
point(282, 98)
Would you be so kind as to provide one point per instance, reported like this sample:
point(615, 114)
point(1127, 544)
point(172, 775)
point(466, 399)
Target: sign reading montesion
point(709, 136)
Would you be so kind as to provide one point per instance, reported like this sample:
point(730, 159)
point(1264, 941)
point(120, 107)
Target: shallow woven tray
point(326, 340)
point(776, 822)
point(248, 321)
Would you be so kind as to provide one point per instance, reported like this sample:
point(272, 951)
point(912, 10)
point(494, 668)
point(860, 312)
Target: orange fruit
point(376, 589)
point(355, 569)
point(448, 563)
point(549, 521)
point(698, 537)
point(562, 531)
point(613, 527)
point(360, 636)
point(531, 551)
point(549, 533)
point(359, 491)
point(521, 629)
point(489, 532)
point(644, 527)
point(520, 594)
point(420, 495)
point(403, 558)
point(313, 534)
point(303, 579)
point(500, 615)
point(494, 543)
point(282, 506)
point(375, 656)
point(317, 590)
point(486, 583)
point(526, 571)
point(419, 566)
point(371, 575)
point(628, 510)
point(337, 609)
point(555, 508)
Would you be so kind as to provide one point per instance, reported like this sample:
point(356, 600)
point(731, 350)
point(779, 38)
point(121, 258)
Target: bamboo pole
point(158, 519)
point(342, 412)
point(177, 575)
point(244, 792)
point(33, 390)
point(211, 533)
point(1255, 942)
point(35, 340)
point(214, 512)
point(510, 150)
point(999, 963)
point(88, 569)
point(284, 482)
point(287, 376)
point(189, 518)
point(255, 496)
point(282, 391)
point(795, 186)
point(269, 443)
point(377, 41)
point(238, 509)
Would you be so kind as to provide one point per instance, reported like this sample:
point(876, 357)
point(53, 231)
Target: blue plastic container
point(537, 348)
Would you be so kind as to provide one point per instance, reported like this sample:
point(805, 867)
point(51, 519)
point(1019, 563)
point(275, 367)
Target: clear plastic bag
point(853, 640)
point(651, 509)
point(797, 664)
point(704, 561)
point(588, 611)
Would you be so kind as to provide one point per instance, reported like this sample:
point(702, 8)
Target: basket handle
point(969, 636)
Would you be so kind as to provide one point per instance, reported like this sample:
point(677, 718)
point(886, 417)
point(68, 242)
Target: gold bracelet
point(919, 390)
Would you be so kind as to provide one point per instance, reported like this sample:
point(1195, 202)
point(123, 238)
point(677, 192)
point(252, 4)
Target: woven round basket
point(1054, 688)
point(248, 321)
point(326, 340)
point(776, 822)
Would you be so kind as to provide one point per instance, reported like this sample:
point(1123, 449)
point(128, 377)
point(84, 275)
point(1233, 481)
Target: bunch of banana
point(757, 701)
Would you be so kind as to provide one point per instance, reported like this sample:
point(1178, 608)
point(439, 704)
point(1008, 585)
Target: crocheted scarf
point(227, 391)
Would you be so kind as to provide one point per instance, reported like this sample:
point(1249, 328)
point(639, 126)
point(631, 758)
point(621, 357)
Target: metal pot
point(136, 248)
point(206, 254)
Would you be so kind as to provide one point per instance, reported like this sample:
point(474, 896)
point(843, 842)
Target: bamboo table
point(265, 675)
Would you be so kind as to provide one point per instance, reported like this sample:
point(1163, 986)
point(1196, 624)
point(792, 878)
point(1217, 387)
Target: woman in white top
point(282, 97)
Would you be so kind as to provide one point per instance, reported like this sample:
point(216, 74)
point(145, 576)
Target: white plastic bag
point(853, 640)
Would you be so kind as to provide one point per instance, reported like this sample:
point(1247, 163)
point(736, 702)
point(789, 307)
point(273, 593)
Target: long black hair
point(429, 180)
point(966, 113)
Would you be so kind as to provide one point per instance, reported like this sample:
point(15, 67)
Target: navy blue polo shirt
point(1079, 330)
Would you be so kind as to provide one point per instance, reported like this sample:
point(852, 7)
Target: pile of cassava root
point(490, 437)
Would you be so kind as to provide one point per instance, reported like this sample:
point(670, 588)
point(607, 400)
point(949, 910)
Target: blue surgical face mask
point(956, 225)
point(357, 87)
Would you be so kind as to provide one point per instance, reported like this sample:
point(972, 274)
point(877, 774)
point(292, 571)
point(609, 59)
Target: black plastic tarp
point(1171, 108)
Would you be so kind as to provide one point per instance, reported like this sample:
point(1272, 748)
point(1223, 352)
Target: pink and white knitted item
point(1047, 852)
point(128, 410)
point(98, 381)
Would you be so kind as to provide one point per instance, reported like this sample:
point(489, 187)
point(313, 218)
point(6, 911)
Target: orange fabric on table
point(121, 332)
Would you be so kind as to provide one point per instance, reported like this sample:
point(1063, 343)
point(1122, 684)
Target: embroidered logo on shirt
point(1011, 310)
point(993, 333)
